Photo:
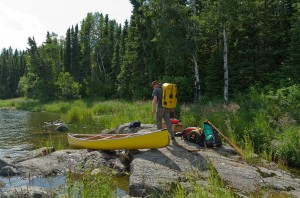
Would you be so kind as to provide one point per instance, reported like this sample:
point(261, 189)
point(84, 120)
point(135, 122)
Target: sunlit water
point(14, 133)
point(23, 131)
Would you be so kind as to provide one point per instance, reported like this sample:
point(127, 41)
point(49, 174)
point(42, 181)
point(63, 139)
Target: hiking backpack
point(212, 137)
point(169, 95)
point(192, 134)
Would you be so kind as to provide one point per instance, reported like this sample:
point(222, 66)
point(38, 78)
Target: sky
point(20, 19)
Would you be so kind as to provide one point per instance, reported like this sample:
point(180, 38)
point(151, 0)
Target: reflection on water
point(14, 136)
point(22, 131)
point(41, 133)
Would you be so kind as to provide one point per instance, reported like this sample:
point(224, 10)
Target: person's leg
point(159, 116)
point(168, 122)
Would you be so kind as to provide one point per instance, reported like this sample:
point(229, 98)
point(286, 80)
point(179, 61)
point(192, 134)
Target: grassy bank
point(10, 103)
point(106, 114)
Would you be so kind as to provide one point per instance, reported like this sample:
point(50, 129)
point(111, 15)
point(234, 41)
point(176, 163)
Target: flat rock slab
point(59, 162)
point(152, 171)
point(236, 174)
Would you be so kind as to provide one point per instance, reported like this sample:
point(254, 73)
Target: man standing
point(161, 112)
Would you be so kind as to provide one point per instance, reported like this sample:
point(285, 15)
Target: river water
point(23, 131)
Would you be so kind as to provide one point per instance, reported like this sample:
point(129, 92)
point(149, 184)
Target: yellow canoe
point(155, 139)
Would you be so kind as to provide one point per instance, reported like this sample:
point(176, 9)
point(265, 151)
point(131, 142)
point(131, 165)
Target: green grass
point(110, 114)
point(59, 107)
point(50, 141)
point(90, 184)
point(10, 103)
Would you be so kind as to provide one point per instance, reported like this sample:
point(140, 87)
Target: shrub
point(287, 99)
point(67, 87)
point(287, 147)
point(78, 115)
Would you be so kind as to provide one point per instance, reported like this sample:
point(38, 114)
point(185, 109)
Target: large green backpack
point(169, 95)
point(208, 132)
point(209, 135)
point(212, 137)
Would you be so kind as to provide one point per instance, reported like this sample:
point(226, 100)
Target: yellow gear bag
point(169, 96)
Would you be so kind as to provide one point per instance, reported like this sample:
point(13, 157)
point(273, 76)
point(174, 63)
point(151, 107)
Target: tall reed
point(90, 184)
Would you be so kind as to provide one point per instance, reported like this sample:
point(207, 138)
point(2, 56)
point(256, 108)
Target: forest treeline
point(179, 41)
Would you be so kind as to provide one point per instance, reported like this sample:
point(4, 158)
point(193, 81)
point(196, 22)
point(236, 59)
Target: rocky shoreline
point(152, 171)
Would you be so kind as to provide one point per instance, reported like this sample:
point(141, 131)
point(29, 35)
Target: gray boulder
point(27, 191)
point(62, 128)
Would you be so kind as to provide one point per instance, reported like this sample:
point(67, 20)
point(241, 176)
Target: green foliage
point(67, 87)
point(79, 115)
point(287, 146)
point(293, 62)
point(260, 132)
point(288, 97)
point(188, 115)
point(27, 85)
point(214, 75)
point(11, 69)
point(161, 41)
point(287, 100)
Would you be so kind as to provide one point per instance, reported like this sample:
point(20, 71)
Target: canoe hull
point(156, 139)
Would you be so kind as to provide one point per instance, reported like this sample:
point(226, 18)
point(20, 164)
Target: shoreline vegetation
point(262, 125)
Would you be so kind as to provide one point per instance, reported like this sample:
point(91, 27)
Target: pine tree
point(86, 50)
point(76, 59)
point(68, 52)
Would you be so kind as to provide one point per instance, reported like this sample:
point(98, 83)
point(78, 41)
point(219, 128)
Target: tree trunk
point(226, 97)
point(197, 81)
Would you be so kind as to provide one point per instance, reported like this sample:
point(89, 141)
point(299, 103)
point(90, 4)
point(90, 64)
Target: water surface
point(23, 131)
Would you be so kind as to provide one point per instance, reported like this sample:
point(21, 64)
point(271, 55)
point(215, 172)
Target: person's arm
point(154, 102)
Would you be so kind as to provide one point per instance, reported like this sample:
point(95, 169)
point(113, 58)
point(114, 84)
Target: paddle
point(231, 143)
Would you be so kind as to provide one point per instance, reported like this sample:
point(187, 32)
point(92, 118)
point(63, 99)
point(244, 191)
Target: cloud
point(16, 26)
point(20, 19)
